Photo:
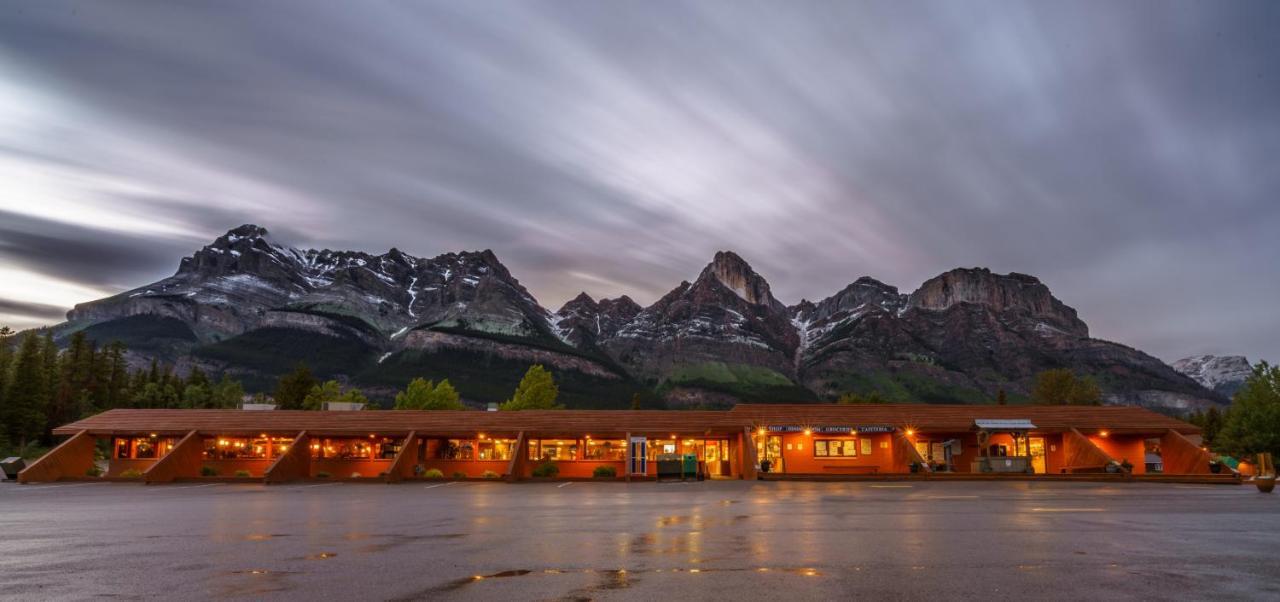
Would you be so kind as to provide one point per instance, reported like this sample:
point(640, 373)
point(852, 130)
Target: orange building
point(749, 441)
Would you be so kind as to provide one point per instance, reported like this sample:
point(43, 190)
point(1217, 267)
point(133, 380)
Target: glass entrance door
point(1036, 445)
point(639, 455)
point(769, 448)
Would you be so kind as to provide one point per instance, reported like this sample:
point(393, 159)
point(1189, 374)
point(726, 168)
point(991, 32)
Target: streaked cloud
point(1122, 153)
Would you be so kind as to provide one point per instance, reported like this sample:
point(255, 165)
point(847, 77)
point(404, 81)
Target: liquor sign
point(874, 428)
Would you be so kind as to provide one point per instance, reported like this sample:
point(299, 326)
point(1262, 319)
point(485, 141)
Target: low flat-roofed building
point(744, 442)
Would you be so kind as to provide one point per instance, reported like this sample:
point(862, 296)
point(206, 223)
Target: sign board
point(1004, 424)
point(823, 429)
point(874, 428)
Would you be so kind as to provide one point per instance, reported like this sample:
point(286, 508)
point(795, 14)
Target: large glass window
point(384, 448)
point(661, 446)
point(496, 449)
point(553, 449)
point(835, 448)
point(235, 448)
point(142, 448)
point(606, 449)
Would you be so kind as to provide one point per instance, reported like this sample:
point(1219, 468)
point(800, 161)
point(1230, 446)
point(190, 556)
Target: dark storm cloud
point(37, 311)
point(1122, 152)
point(82, 254)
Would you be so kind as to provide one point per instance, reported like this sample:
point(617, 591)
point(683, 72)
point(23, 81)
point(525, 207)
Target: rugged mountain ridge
point(1224, 374)
point(247, 304)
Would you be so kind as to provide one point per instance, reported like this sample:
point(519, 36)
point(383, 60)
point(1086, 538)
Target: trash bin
point(689, 467)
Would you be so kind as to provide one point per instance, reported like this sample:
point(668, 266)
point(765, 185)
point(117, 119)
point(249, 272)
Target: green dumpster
point(690, 466)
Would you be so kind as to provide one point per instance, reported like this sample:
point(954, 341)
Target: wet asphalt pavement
point(675, 541)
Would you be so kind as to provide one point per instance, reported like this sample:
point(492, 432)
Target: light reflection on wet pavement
point(712, 540)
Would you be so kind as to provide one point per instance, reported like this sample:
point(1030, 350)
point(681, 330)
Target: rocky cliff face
point(229, 286)
point(583, 322)
point(248, 304)
point(967, 334)
point(727, 315)
point(1224, 374)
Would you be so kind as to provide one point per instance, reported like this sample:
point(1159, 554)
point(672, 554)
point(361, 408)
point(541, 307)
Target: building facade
point(747, 442)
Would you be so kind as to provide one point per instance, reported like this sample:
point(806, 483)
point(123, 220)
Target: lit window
point(835, 448)
point(607, 449)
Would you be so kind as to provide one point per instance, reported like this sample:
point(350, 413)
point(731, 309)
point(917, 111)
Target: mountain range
point(254, 308)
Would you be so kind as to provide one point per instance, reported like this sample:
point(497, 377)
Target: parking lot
point(582, 540)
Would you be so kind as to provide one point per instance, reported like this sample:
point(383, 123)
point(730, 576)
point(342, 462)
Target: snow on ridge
point(413, 296)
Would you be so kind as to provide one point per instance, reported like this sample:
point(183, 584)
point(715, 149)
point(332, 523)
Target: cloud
point(1116, 152)
point(32, 310)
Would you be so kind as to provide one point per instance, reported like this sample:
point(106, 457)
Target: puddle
point(321, 556)
point(667, 521)
point(611, 579)
point(257, 582)
point(263, 536)
point(395, 541)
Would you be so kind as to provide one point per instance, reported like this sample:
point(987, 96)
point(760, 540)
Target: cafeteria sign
point(874, 428)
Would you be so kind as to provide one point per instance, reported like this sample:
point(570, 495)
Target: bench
point(853, 468)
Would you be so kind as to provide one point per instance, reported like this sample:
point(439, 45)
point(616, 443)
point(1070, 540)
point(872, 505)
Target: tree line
point(42, 387)
point(1251, 424)
point(1059, 386)
point(301, 390)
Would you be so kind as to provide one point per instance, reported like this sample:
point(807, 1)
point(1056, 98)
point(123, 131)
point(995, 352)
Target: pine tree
point(635, 401)
point(292, 388)
point(1252, 425)
point(24, 410)
point(536, 391)
point(197, 377)
point(445, 397)
point(1002, 398)
point(117, 388)
point(1061, 387)
point(6, 363)
point(331, 391)
point(227, 393)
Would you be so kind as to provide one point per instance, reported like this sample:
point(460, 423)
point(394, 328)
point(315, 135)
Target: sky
point(1124, 153)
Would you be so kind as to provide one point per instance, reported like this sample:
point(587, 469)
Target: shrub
point(433, 473)
point(208, 471)
point(93, 471)
point(604, 472)
point(489, 474)
point(546, 469)
point(243, 473)
point(132, 473)
point(323, 475)
point(458, 474)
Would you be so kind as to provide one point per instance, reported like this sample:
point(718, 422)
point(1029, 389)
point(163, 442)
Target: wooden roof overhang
point(959, 419)
point(549, 424)
point(654, 424)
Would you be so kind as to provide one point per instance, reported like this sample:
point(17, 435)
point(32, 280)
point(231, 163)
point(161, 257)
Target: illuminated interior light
point(1103, 433)
point(910, 432)
point(808, 432)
